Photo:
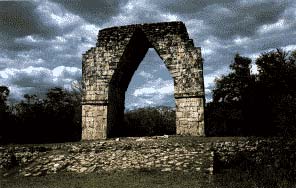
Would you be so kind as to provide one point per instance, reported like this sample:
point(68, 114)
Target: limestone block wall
point(108, 68)
point(95, 117)
point(190, 116)
point(185, 154)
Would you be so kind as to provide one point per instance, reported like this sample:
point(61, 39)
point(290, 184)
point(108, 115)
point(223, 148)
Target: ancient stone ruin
point(108, 68)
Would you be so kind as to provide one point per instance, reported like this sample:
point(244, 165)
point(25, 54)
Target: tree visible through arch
point(149, 100)
point(108, 68)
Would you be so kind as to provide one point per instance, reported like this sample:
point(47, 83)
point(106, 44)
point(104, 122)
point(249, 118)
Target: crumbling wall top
point(175, 24)
point(156, 30)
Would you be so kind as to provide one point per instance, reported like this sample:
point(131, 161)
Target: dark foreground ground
point(145, 178)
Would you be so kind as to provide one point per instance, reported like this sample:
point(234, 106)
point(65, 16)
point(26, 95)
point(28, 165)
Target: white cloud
point(195, 27)
point(53, 15)
point(289, 47)
point(33, 71)
point(278, 26)
point(210, 46)
point(206, 51)
point(34, 40)
point(148, 102)
point(241, 40)
point(28, 39)
point(141, 11)
point(155, 87)
point(249, 3)
point(145, 74)
point(170, 17)
point(31, 79)
point(74, 36)
point(61, 71)
point(144, 91)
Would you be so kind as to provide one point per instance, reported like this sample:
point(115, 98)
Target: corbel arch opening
point(132, 57)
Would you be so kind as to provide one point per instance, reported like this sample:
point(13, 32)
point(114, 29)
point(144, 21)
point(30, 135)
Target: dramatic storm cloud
point(41, 42)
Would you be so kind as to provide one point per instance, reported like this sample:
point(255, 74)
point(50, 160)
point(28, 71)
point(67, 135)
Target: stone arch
point(108, 68)
point(131, 58)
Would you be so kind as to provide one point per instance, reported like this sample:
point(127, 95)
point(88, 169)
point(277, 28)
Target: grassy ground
point(143, 178)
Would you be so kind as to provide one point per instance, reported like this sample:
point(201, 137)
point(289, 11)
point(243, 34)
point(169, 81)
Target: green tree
point(226, 115)
point(234, 86)
point(277, 72)
point(4, 114)
point(149, 121)
point(63, 111)
point(4, 93)
point(56, 118)
point(261, 104)
point(277, 88)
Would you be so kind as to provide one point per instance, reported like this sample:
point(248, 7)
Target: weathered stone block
point(190, 116)
point(94, 122)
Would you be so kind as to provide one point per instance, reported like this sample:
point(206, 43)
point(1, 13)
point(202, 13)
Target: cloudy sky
point(41, 42)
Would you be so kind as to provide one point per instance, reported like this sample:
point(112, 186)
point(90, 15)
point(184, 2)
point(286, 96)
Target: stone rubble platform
point(150, 153)
point(190, 154)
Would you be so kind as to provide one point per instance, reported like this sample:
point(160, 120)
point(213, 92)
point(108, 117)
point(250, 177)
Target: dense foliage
point(57, 118)
point(149, 121)
point(255, 104)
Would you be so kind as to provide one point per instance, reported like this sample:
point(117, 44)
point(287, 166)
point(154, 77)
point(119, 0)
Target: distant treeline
point(149, 121)
point(244, 104)
point(57, 118)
